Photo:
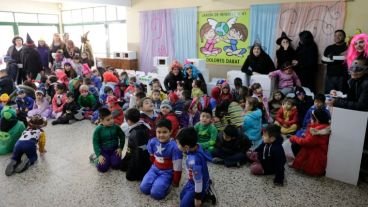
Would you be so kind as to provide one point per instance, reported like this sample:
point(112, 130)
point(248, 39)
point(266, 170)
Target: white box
point(129, 55)
point(117, 55)
point(161, 61)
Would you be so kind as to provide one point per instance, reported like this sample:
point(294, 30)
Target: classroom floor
point(64, 177)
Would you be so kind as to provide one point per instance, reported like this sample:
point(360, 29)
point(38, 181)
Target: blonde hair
point(83, 88)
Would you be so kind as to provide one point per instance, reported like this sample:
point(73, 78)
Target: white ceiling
point(127, 3)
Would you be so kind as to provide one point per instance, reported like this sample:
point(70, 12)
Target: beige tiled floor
point(64, 177)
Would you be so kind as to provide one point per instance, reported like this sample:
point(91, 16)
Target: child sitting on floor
point(167, 163)
point(206, 131)
point(257, 92)
point(116, 110)
point(252, 123)
point(136, 162)
point(225, 93)
point(41, 106)
point(198, 186)
point(179, 89)
point(312, 157)
point(156, 100)
point(166, 112)
point(108, 142)
point(287, 117)
point(156, 85)
point(235, 92)
point(190, 115)
point(230, 148)
point(269, 158)
point(148, 115)
point(275, 103)
point(59, 100)
point(86, 101)
point(24, 104)
point(70, 108)
point(26, 144)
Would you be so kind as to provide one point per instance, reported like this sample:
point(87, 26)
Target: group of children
point(229, 127)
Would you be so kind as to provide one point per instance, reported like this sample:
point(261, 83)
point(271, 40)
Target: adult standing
point(286, 52)
point(31, 60)
point(337, 73)
point(258, 61)
point(175, 75)
point(191, 73)
point(71, 49)
point(14, 63)
point(87, 48)
point(307, 60)
point(44, 51)
point(57, 44)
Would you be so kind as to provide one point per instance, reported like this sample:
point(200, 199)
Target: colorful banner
point(223, 37)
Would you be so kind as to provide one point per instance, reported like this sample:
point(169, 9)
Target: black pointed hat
point(283, 36)
point(29, 39)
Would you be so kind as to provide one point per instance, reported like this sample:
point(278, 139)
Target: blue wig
point(195, 71)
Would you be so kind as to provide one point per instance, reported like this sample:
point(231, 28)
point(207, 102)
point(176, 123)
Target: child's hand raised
point(101, 159)
point(118, 152)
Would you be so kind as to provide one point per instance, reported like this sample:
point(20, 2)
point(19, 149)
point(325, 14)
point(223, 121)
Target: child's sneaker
point(217, 160)
point(92, 158)
point(211, 194)
point(10, 168)
point(23, 165)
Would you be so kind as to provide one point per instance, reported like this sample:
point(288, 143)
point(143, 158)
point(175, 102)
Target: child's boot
point(10, 168)
point(23, 165)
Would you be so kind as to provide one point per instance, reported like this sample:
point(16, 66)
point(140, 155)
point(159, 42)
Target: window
point(28, 18)
point(67, 17)
point(117, 37)
point(121, 13)
point(48, 18)
point(75, 33)
point(6, 17)
point(111, 13)
point(87, 15)
point(76, 16)
point(7, 35)
point(99, 14)
point(97, 38)
point(37, 32)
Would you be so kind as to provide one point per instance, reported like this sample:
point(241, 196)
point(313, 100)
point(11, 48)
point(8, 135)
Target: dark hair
point(231, 131)
point(254, 87)
point(244, 91)
point(53, 79)
point(207, 111)
point(341, 31)
point(273, 130)
point(132, 115)
point(187, 105)
point(103, 113)
point(87, 81)
point(17, 37)
point(320, 97)
point(198, 83)
point(187, 137)
point(107, 89)
point(61, 86)
point(181, 83)
point(133, 78)
point(253, 101)
point(155, 91)
point(321, 115)
point(140, 104)
point(238, 82)
point(164, 123)
point(273, 96)
point(186, 95)
point(70, 94)
point(306, 37)
point(43, 79)
point(222, 108)
point(140, 94)
point(286, 65)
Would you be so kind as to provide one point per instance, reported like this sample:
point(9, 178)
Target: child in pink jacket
point(59, 100)
point(286, 78)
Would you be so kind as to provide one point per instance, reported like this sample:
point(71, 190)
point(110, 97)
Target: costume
point(58, 102)
point(207, 136)
point(172, 80)
point(312, 157)
point(232, 153)
point(10, 130)
point(116, 110)
point(30, 59)
point(188, 120)
point(106, 140)
point(307, 119)
point(24, 105)
point(198, 178)
point(287, 120)
point(41, 107)
point(262, 64)
point(136, 162)
point(252, 127)
point(166, 168)
point(174, 122)
point(151, 121)
point(269, 159)
point(88, 101)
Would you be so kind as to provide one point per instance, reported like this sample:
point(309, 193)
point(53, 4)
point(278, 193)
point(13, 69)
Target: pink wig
point(176, 64)
point(352, 53)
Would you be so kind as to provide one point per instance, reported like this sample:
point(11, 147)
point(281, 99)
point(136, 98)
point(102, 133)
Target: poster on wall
point(223, 36)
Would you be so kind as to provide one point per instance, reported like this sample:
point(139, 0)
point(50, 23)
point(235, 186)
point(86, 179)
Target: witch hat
point(283, 36)
point(29, 40)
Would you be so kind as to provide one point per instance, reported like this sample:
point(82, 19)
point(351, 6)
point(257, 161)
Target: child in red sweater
point(116, 110)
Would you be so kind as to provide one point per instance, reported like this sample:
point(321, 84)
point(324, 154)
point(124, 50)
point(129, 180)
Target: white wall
point(29, 6)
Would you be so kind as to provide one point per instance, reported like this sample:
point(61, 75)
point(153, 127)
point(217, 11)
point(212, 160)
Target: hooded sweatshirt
point(252, 127)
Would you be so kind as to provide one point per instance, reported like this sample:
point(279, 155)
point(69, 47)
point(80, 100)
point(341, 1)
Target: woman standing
point(71, 49)
point(14, 63)
point(286, 52)
point(57, 44)
point(44, 51)
point(307, 60)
